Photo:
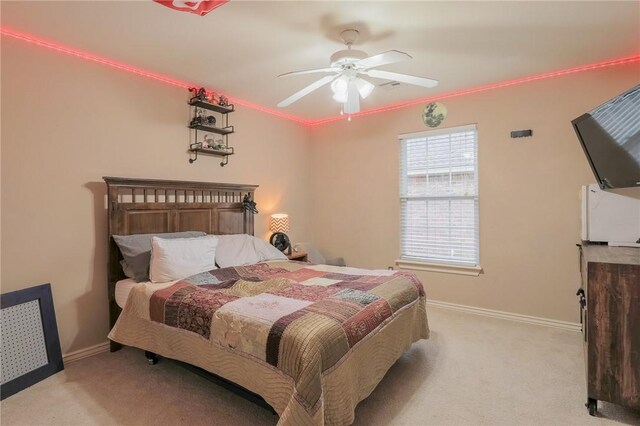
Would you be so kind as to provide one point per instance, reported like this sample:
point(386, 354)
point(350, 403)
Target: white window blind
point(439, 196)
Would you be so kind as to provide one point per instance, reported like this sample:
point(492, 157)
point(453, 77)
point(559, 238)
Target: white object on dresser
point(609, 217)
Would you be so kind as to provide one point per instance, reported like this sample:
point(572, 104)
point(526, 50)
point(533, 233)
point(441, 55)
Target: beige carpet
point(473, 371)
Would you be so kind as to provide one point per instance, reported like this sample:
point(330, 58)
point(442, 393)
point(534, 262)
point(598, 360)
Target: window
point(439, 197)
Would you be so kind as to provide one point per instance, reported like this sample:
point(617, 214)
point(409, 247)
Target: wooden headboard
point(145, 206)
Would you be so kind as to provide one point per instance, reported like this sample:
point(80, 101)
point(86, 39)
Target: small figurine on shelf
point(194, 121)
point(198, 118)
point(202, 119)
point(211, 97)
point(223, 101)
point(198, 94)
point(207, 142)
point(219, 144)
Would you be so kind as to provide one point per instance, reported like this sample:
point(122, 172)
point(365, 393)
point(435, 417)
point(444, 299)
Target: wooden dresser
point(610, 317)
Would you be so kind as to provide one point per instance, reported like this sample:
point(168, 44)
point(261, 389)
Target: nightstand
point(298, 256)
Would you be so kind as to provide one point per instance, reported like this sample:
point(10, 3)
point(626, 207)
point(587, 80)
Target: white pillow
point(243, 249)
point(174, 259)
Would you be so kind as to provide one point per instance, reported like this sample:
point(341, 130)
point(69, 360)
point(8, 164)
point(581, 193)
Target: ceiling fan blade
point(385, 58)
point(353, 99)
point(332, 69)
point(402, 78)
point(310, 88)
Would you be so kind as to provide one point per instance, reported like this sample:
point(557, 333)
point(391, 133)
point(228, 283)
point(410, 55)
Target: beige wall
point(66, 123)
point(529, 206)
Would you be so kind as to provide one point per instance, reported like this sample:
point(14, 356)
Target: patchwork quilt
point(300, 319)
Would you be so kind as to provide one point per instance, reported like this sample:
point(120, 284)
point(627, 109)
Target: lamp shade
point(279, 223)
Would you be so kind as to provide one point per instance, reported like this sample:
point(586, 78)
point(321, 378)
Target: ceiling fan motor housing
point(347, 56)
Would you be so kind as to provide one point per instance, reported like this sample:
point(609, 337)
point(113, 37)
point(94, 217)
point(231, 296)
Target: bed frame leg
point(152, 358)
point(114, 346)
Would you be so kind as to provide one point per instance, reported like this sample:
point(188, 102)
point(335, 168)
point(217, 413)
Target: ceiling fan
point(348, 69)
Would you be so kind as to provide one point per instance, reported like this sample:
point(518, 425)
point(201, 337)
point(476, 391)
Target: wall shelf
point(211, 107)
point(222, 149)
point(196, 148)
point(213, 129)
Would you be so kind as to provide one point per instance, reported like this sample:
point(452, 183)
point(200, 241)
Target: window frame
point(432, 264)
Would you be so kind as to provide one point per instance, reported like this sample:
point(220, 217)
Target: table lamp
point(279, 225)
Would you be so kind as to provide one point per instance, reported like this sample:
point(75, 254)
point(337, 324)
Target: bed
point(311, 340)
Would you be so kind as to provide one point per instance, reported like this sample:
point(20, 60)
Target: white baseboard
point(86, 352)
point(564, 325)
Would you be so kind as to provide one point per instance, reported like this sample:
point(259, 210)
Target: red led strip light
point(141, 72)
point(483, 88)
point(182, 84)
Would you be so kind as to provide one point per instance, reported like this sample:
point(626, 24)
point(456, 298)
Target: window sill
point(415, 265)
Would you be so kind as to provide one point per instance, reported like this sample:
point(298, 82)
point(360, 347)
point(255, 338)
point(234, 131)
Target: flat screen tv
point(610, 137)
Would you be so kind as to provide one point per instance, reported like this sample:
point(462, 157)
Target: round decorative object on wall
point(434, 114)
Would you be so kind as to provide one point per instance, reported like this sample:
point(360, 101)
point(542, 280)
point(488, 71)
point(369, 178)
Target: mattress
point(123, 288)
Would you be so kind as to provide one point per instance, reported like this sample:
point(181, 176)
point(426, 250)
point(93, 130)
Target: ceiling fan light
point(340, 85)
point(340, 96)
point(364, 87)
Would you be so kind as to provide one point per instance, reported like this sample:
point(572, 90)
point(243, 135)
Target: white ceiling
point(242, 46)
